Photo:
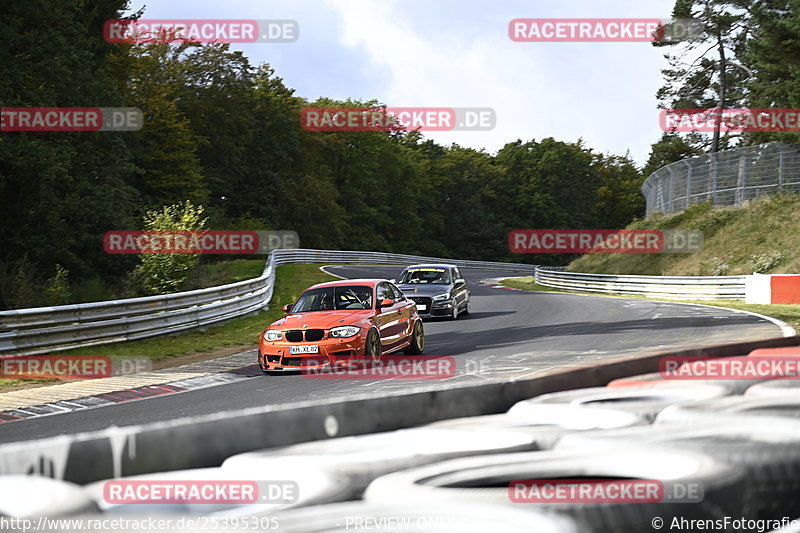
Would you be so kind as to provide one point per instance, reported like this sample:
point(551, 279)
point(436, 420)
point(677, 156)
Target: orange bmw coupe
point(342, 322)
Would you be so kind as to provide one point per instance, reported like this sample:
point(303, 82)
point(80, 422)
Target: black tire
point(373, 348)
point(34, 496)
point(417, 340)
point(360, 459)
point(465, 312)
point(778, 387)
point(769, 451)
point(741, 409)
point(454, 314)
point(645, 400)
point(487, 480)
point(547, 423)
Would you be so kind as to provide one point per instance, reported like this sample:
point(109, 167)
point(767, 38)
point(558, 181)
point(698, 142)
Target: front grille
point(421, 300)
point(301, 361)
point(294, 335)
point(311, 335)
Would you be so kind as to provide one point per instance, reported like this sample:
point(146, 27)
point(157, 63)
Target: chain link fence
point(730, 177)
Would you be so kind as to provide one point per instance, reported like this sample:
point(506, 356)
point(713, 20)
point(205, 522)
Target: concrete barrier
point(772, 289)
point(207, 440)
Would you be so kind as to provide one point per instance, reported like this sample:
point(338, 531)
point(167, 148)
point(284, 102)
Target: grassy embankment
point(762, 236)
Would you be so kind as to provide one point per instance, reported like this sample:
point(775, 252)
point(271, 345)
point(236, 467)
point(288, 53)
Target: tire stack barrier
point(742, 449)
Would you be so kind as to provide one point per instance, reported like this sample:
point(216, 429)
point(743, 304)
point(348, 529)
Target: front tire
point(372, 349)
point(417, 340)
point(454, 314)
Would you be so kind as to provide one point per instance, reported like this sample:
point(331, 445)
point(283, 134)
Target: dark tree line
point(225, 134)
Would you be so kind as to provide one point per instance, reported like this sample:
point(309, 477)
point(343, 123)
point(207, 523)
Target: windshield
point(333, 298)
point(436, 276)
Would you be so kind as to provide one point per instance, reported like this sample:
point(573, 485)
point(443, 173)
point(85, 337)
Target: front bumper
point(332, 351)
point(433, 308)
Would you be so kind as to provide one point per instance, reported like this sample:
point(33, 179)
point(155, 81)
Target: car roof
point(368, 282)
point(431, 265)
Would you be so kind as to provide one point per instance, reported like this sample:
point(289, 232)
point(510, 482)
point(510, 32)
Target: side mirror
point(387, 302)
point(461, 281)
point(287, 308)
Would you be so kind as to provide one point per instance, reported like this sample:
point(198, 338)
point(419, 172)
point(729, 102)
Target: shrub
point(166, 273)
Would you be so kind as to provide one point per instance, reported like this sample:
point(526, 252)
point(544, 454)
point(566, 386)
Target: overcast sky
point(457, 53)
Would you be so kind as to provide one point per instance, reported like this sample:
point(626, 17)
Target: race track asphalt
point(508, 334)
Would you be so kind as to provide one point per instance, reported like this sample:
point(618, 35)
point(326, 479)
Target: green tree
point(618, 199)
point(61, 190)
point(166, 148)
point(774, 54)
point(166, 273)
point(708, 70)
point(669, 149)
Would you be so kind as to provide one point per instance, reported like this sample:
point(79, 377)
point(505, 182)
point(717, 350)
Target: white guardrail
point(48, 329)
point(672, 287)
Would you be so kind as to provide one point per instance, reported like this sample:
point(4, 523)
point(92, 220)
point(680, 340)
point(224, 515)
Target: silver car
point(437, 290)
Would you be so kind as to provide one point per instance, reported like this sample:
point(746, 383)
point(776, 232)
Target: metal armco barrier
point(207, 440)
point(673, 287)
point(48, 329)
point(729, 177)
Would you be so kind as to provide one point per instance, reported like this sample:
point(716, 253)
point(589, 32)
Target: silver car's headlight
point(272, 335)
point(445, 296)
point(344, 331)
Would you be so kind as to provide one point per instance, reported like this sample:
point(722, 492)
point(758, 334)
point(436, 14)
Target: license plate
point(421, 307)
point(294, 350)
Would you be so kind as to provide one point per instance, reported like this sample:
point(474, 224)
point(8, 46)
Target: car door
point(405, 310)
point(460, 290)
point(389, 320)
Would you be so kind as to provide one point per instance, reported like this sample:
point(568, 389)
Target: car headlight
point(445, 296)
point(344, 331)
point(272, 335)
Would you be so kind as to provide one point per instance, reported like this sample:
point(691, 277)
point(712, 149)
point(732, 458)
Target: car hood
point(424, 289)
point(322, 319)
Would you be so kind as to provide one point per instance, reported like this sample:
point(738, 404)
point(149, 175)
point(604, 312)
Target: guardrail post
point(688, 183)
point(714, 169)
point(741, 180)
